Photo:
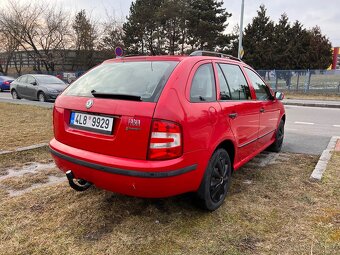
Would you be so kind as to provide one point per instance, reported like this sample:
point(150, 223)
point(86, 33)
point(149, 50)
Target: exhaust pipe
point(80, 184)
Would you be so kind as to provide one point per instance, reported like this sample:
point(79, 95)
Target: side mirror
point(34, 83)
point(279, 95)
point(224, 96)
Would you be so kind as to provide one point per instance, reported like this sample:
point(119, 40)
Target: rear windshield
point(144, 78)
point(49, 80)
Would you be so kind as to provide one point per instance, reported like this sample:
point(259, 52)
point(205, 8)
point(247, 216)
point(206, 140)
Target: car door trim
point(254, 140)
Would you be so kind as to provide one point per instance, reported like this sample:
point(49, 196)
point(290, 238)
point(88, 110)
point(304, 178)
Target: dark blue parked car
point(5, 82)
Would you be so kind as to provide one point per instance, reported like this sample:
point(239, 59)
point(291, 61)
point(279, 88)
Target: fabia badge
point(89, 103)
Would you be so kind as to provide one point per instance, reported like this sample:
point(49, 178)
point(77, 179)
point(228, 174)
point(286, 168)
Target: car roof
point(180, 58)
point(41, 75)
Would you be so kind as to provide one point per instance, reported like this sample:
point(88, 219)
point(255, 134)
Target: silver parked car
point(37, 87)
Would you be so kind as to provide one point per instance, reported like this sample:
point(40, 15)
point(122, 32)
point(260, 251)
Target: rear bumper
point(4, 87)
point(140, 178)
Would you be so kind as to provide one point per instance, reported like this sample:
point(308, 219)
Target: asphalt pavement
point(7, 98)
point(307, 130)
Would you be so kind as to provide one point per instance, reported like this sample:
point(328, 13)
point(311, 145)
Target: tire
point(15, 94)
point(277, 145)
point(216, 181)
point(42, 97)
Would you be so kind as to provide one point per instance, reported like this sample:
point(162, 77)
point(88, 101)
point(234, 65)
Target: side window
point(203, 85)
point(261, 89)
point(22, 79)
point(239, 88)
point(30, 79)
point(224, 88)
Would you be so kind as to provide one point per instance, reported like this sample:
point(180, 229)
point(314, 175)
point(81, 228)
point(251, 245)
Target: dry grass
point(18, 159)
point(280, 212)
point(29, 179)
point(25, 181)
point(23, 125)
point(311, 96)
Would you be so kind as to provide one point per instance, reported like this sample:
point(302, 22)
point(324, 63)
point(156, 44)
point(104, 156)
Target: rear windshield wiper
point(116, 96)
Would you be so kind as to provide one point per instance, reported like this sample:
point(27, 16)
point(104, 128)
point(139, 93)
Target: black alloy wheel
point(280, 132)
point(216, 181)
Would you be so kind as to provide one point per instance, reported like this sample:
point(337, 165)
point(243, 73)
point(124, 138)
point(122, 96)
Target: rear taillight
point(165, 140)
point(7, 83)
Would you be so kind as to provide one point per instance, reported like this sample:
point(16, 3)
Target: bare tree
point(39, 29)
point(8, 47)
point(112, 33)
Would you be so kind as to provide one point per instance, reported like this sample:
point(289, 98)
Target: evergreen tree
point(281, 44)
point(85, 40)
point(319, 50)
point(142, 33)
point(171, 17)
point(169, 26)
point(206, 24)
point(258, 41)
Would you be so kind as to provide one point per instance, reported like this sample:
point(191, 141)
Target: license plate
point(91, 122)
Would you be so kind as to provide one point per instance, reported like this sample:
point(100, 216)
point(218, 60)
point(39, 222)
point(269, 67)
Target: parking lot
point(272, 206)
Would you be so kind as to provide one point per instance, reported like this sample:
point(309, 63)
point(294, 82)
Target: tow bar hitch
point(79, 185)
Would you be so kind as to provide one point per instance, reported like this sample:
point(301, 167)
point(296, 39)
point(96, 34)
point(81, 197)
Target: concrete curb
point(323, 160)
point(31, 147)
point(313, 105)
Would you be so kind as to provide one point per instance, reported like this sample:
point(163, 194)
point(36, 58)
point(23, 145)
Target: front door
point(269, 111)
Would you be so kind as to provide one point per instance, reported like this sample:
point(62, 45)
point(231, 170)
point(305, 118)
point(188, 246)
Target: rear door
point(21, 85)
point(30, 89)
point(123, 93)
point(238, 106)
point(202, 122)
point(269, 110)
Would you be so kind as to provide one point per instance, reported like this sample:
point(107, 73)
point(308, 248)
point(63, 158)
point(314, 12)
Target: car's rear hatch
point(122, 97)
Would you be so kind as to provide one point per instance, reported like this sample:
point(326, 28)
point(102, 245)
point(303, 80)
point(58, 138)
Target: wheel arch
point(229, 146)
point(283, 118)
point(38, 92)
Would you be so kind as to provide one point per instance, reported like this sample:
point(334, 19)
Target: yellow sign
point(241, 52)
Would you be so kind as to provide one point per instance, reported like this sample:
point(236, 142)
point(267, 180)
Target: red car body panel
point(119, 162)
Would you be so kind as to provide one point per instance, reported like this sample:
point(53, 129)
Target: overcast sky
point(325, 14)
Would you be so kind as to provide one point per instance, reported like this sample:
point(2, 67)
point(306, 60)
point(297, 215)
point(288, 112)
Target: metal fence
point(316, 81)
point(304, 81)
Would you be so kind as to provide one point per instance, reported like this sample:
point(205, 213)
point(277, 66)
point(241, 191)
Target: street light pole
point(240, 48)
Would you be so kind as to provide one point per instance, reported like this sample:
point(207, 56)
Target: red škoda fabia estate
point(160, 126)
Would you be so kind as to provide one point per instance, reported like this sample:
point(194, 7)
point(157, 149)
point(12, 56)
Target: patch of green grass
point(311, 96)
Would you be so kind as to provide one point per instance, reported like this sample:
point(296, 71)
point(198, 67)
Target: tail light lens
point(7, 83)
point(165, 140)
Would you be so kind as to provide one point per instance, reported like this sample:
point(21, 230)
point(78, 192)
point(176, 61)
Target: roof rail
point(213, 54)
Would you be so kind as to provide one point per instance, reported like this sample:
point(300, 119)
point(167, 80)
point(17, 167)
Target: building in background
point(336, 58)
point(63, 60)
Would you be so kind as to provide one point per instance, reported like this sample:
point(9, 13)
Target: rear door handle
point(262, 110)
point(233, 115)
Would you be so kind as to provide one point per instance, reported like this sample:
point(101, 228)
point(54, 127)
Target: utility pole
point(240, 47)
